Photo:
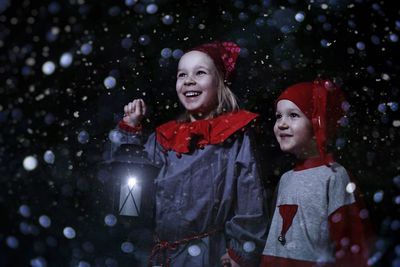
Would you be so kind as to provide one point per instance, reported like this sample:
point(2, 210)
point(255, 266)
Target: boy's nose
point(283, 125)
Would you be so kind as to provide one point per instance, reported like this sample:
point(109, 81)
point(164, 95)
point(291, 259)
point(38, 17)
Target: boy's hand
point(134, 112)
point(226, 261)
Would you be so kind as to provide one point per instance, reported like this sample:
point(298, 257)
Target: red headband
point(321, 101)
point(224, 55)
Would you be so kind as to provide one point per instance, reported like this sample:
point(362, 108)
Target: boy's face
point(294, 131)
point(197, 83)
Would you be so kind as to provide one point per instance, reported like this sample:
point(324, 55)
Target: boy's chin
point(286, 149)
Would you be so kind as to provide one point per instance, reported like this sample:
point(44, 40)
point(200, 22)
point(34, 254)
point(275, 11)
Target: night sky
point(67, 69)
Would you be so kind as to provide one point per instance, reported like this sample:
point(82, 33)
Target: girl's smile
point(192, 93)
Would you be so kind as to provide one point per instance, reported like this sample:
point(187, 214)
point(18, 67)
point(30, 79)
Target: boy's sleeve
point(246, 230)
point(348, 223)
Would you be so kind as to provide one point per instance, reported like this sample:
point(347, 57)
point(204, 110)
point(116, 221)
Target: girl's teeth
point(192, 94)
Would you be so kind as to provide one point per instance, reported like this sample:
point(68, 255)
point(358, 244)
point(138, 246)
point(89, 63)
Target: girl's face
point(197, 84)
point(294, 131)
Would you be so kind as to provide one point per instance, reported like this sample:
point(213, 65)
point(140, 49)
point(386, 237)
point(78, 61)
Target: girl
point(209, 197)
point(317, 220)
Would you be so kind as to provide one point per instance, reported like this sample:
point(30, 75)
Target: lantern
point(129, 181)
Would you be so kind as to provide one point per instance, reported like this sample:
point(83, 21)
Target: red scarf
point(179, 136)
point(304, 164)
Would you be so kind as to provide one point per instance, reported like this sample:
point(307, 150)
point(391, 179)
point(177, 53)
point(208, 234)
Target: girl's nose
point(189, 80)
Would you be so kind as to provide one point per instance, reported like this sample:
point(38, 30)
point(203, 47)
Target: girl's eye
point(294, 115)
point(181, 75)
point(278, 116)
point(201, 72)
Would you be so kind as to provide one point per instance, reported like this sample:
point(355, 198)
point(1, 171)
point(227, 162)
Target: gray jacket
point(215, 194)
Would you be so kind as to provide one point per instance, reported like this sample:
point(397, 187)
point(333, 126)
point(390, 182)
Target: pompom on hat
point(223, 54)
point(322, 102)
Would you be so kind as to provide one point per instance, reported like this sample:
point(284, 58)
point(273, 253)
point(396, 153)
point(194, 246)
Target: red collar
point(313, 162)
point(177, 136)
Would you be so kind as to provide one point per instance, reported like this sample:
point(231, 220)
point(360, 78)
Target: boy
point(317, 220)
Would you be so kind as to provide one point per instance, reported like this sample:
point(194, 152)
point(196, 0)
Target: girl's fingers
point(137, 107)
point(143, 107)
point(129, 107)
point(133, 106)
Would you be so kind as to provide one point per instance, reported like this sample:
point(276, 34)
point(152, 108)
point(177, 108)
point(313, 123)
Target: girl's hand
point(134, 112)
point(226, 261)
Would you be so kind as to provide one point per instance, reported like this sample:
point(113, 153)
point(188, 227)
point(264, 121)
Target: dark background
point(71, 110)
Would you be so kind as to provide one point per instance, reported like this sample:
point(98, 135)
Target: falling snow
point(69, 67)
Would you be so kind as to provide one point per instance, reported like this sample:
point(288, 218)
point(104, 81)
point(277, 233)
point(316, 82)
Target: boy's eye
point(180, 75)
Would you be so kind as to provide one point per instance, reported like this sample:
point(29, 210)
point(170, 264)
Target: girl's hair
point(227, 101)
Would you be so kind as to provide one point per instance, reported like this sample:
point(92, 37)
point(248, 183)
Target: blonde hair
point(227, 101)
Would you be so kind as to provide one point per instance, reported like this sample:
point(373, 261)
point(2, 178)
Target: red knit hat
point(224, 55)
point(321, 101)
